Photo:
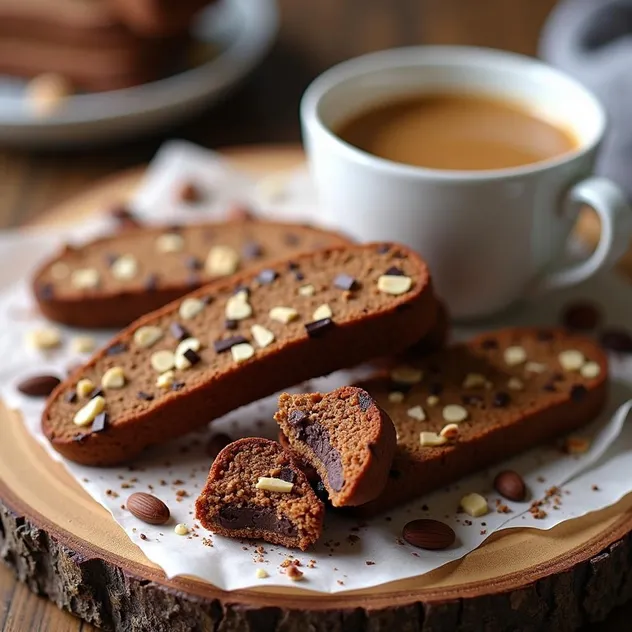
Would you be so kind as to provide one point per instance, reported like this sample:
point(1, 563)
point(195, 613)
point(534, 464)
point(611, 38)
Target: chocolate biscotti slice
point(472, 405)
point(256, 490)
point(111, 281)
point(237, 340)
point(345, 436)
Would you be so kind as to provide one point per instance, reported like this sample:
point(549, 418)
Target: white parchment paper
point(350, 555)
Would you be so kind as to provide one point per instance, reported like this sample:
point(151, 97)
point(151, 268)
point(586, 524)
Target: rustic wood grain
point(314, 35)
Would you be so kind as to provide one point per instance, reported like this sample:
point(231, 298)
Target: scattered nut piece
point(454, 413)
point(283, 315)
point(84, 387)
point(321, 312)
point(221, 261)
point(47, 92)
point(571, 360)
point(417, 412)
point(238, 307)
point(576, 445)
point(294, 573)
point(432, 400)
point(85, 416)
point(147, 336)
point(59, 270)
point(261, 573)
point(44, 338)
point(162, 361)
point(166, 380)
point(262, 336)
point(535, 367)
point(274, 485)
point(169, 242)
point(450, 431)
point(85, 278)
point(125, 268)
point(474, 380)
point(515, 384)
point(590, 370)
point(431, 439)
point(514, 355)
point(113, 378)
point(474, 505)
point(396, 397)
point(148, 508)
point(307, 290)
point(190, 307)
point(181, 529)
point(406, 375)
point(83, 344)
point(242, 352)
point(395, 285)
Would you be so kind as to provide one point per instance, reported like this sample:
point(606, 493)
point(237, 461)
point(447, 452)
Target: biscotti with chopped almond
point(237, 340)
point(111, 281)
point(345, 436)
point(471, 405)
point(256, 490)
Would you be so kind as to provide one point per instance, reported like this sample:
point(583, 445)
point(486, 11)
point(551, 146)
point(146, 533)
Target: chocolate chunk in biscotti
point(472, 405)
point(308, 470)
point(345, 436)
point(256, 490)
point(215, 371)
point(113, 280)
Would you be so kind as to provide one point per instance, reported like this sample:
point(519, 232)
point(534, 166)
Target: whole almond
point(148, 508)
point(38, 385)
point(510, 485)
point(428, 534)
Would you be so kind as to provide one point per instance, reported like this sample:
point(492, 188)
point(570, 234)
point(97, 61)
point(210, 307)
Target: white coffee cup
point(490, 237)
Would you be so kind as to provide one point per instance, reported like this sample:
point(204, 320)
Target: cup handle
point(615, 214)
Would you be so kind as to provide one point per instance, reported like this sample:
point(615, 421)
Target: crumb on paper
point(369, 563)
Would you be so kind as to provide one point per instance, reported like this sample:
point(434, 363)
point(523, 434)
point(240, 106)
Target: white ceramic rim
point(383, 61)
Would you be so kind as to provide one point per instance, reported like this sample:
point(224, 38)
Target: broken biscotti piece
point(235, 341)
point(471, 405)
point(345, 436)
point(256, 490)
point(111, 281)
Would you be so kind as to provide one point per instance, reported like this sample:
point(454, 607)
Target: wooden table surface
point(314, 35)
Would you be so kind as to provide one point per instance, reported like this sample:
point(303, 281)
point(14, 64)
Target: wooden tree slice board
point(67, 547)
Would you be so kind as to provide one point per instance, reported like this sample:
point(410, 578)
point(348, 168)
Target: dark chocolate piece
point(616, 340)
point(345, 282)
point(578, 392)
point(71, 397)
point(177, 386)
point(318, 327)
point(501, 399)
point(471, 400)
point(115, 349)
point(267, 276)
point(287, 475)
point(151, 283)
point(179, 332)
point(263, 518)
point(192, 356)
point(230, 324)
point(97, 392)
point(394, 271)
point(100, 422)
point(226, 344)
point(365, 401)
point(148, 397)
point(317, 438)
point(251, 250)
point(193, 263)
point(321, 492)
point(45, 291)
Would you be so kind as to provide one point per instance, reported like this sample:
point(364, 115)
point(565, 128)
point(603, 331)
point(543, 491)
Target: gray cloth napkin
point(592, 41)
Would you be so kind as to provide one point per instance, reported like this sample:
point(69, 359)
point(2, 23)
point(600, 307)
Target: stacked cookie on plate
point(97, 45)
point(274, 305)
